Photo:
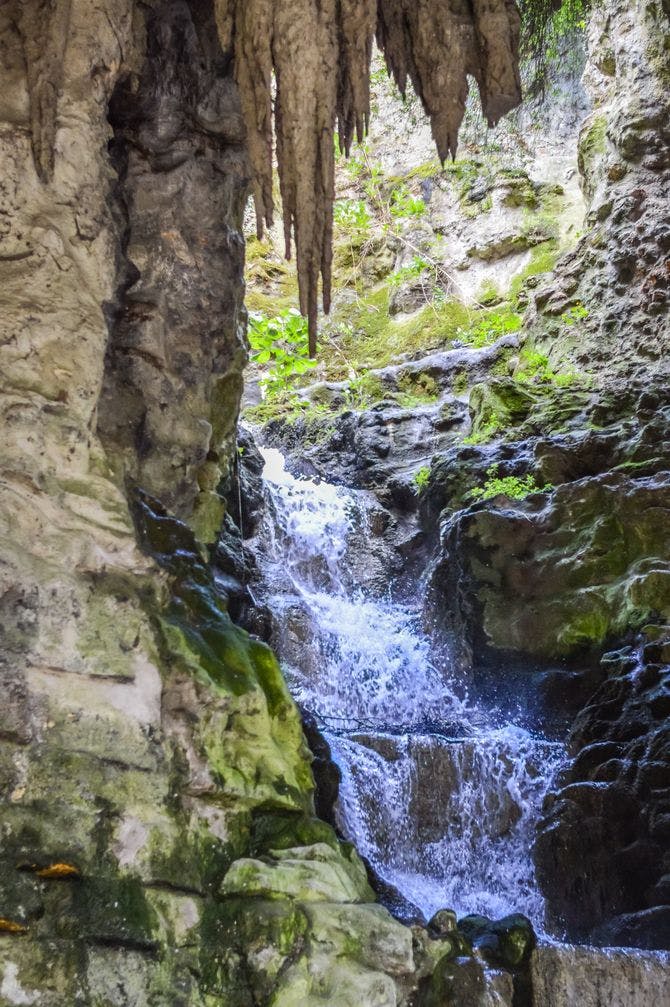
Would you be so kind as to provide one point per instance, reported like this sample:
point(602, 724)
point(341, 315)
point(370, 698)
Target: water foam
point(446, 816)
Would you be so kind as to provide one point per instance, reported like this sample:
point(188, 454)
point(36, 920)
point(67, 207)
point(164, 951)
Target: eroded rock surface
point(147, 744)
point(619, 268)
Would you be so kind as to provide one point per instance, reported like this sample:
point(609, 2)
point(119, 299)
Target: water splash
point(449, 821)
point(446, 815)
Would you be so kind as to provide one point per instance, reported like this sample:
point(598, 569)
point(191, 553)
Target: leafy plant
point(280, 342)
point(485, 432)
point(551, 33)
point(421, 478)
point(352, 214)
point(409, 272)
point(574, 314)
point(364, 390)
point(535, 366)
point(404, 204)
point(489, 329)
point(514, 487)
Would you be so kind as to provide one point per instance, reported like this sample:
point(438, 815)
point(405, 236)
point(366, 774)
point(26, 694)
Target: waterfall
point(439, 793)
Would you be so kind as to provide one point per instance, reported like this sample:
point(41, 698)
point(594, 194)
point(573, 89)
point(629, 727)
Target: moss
point(247, 947)
point(420, 387)
point(460, 383)
point(542, 260)
point(427, 170)
point(373, 338)
point(194, 857)
point(317, 873)
point(114, 910)
point(521, 192)
point(591, 145)
point(489, 295)
point(586, 629)
point(198, 636)
point(282, 831)
point(500, 401)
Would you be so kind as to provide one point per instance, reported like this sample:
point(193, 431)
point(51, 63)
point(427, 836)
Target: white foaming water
point(450, 822)
point(444, 814)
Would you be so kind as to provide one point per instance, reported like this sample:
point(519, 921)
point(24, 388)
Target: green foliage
point(550, 34)
point(514, 487)
point(352, 214)
point(404, 204)
point(535, 367)
point(280, 343)
point(486, 432)
point(574, 314)
point(421, 478)
point(408, 272)
point(363, 391)
point(362, 169)
point(490, 328)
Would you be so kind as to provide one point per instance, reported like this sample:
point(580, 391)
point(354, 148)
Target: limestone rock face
point(619, 269)
point(542, 584)
point(146, 743)
point(562, 976)
point(168, 409)
point(602, 850)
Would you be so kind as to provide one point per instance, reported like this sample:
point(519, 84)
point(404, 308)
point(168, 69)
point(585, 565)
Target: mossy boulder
point(306, 874)
point(559, 575)
point(508, 941)
point(499, 404)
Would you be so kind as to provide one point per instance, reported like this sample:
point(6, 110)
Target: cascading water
point(437, 794)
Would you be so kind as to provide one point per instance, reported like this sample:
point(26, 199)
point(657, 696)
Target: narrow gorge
point(335, 644)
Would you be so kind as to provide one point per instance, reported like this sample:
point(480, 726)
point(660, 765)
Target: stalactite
point(320, 52)
point(43, 27)
point(358, 22)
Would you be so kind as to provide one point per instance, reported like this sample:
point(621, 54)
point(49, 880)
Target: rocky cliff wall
point(146, 744)
point(547, 582)
point(158, 839)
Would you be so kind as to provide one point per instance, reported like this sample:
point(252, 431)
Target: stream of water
point(438, 792)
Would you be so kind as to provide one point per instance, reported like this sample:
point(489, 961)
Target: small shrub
point(282, 343)
point(486, 432)
point(574, 314)
point(421, 478)
point(409, 272)
point(514, 487)
point(363, 391)
point(404, 204)
point(352, 214)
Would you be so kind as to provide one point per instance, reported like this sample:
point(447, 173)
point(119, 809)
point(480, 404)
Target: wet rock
point(563, 976)
point(466, 984)
point(649, 928)
point(327, 775)
point(443, 922)
point(316, 873)
point(557, 575)
point(602, 846)
point(508, 941)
